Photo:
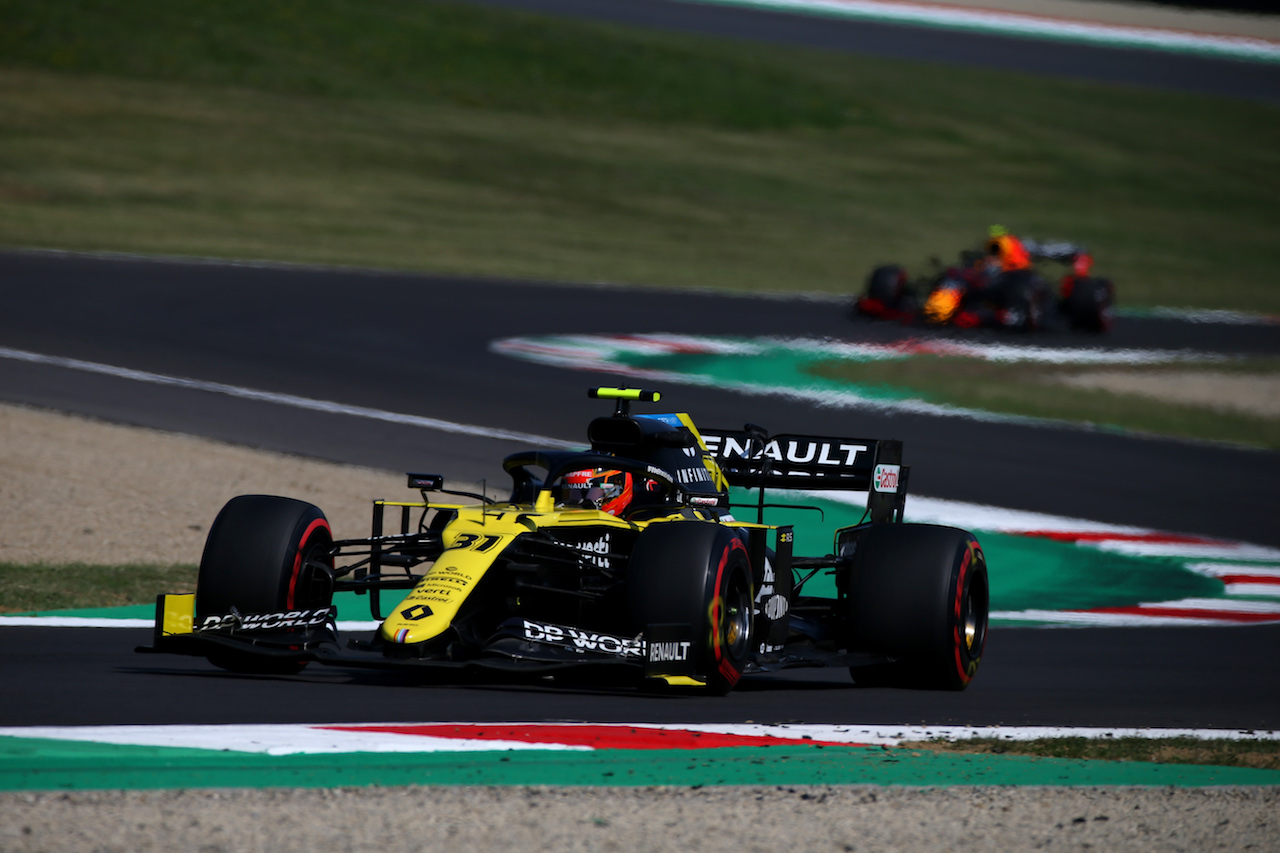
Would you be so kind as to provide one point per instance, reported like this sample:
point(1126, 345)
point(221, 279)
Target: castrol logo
point(885, 478)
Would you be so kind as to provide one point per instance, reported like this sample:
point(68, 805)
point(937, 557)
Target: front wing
point(662, 651)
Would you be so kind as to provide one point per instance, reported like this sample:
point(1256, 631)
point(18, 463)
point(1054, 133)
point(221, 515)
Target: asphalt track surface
point(1121, 66)
point(419, 345)
point(1221, 678)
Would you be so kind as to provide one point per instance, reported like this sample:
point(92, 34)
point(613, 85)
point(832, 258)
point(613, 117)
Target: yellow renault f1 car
point(625, 555)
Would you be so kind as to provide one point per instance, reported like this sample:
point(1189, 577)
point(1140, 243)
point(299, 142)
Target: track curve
point(419, 344)
point(1120, 65)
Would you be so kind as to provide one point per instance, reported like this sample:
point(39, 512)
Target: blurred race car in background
point(975, 293)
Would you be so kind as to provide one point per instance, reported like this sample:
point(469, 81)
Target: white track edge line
point(306, 403)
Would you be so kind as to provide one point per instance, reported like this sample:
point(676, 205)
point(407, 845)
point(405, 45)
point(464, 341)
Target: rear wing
point(751, 458)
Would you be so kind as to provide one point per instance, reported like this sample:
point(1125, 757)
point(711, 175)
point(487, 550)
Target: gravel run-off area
point(663, 820)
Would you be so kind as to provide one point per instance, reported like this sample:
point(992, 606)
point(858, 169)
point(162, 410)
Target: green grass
point(1261, 754)
point(461, 139)
point(1030, 390)
point(26, 588)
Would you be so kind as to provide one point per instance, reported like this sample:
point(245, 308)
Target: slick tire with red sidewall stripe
point(696, 574)
point(918, 593)
point(263, 555)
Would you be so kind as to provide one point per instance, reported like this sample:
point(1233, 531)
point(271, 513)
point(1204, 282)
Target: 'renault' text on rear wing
point(751, 458)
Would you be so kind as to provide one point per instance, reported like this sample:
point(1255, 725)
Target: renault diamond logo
point(416, 612)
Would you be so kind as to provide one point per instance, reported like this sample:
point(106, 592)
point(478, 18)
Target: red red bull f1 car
point(627, 555)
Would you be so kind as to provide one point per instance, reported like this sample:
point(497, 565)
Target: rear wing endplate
point(751, 458)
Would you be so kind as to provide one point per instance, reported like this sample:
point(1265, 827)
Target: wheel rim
point(315, 578)
point(735, 623)
point(973, 615)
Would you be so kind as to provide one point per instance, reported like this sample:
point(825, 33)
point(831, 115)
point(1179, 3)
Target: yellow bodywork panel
point(179, 614)
point(717, 476)
point(472, 542)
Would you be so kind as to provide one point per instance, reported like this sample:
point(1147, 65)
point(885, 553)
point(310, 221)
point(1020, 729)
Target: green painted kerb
point(31, 764)
point(1026, 572)
point(772, 367)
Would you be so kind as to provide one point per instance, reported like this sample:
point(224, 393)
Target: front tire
point(919, 594)
point(887, 284)
point(264, 554)
point(696, 574)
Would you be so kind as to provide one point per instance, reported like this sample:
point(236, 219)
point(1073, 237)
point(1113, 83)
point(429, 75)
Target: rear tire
point(1089, 305)
point(918, 593)
point(696, 574)
point(1022, 297)
point(264, 554)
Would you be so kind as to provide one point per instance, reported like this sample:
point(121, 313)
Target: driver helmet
point(599, 488)
point(994, 233)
